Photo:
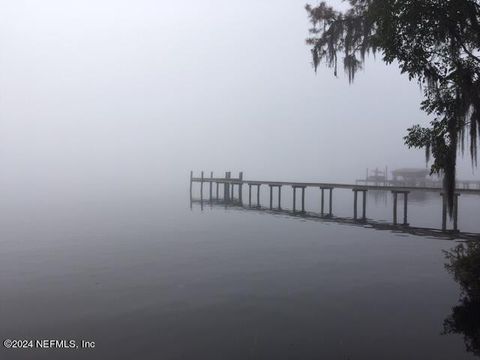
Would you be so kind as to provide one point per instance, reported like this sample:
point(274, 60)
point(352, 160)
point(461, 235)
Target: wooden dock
point(229, 185)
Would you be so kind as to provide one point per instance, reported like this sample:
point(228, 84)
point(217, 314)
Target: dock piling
point(240, 187)
point(229, 188)
point(295, 187)
point(395, 199)
point(191, 182)
point(364, 208)
point(303, 199)
point(258, 195)
point(330, 202)
point(279, 187)
point(405, 206)
point(225, 188)
point(294, 198)
point(201, 187)
point(250, 195)
point(211, 186)
point(279, 197)
point(321, 206)
point(271, 196)
point(355, 202)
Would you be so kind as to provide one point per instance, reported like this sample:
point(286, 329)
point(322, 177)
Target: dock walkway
point(229, 184)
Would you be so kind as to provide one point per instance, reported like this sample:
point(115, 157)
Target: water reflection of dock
point(367, 223)
point(230, 184)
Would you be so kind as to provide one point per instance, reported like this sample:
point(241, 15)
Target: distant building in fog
point(413, 177)
point(401, 177)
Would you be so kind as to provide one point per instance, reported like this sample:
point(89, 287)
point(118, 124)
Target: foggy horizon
point(112, 89)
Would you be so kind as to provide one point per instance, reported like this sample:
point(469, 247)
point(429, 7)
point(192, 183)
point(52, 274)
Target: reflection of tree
point(464, 264)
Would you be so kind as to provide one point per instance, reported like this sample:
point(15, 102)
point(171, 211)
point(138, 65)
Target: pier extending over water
point(227, 187)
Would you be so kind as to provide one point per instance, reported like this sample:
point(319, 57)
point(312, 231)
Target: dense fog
point(107, 94)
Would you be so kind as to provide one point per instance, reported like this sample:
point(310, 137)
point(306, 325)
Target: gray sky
point(95, 92)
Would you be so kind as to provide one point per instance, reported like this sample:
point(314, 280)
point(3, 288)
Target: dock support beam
point(279, 187)
point(364, 212)
point(329, 202)
point(240, 187)
point(250, 195)
point(321, 207)
point(364, 205)
point(250, 185)
point(294, 199)
point(330, 199)
point(211, 186)
point(295, 187)
point(303, 199)
point(229, 188)
point(226, 188)
point(280, 197)
point(201, 187)
point(444, 212)
point(258, 195)
point(355, 205)
point(191, 183)
point(271, 196)
point(405, 206)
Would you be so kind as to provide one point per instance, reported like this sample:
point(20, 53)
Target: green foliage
point(434, 140)
point(464, 265)
point(435, 42)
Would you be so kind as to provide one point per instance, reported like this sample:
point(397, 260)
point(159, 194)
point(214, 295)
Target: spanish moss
point(435, 43)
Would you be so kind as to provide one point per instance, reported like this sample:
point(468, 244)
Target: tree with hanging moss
point(435, 43)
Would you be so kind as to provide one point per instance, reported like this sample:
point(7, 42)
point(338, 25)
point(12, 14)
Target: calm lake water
point(147, 277)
